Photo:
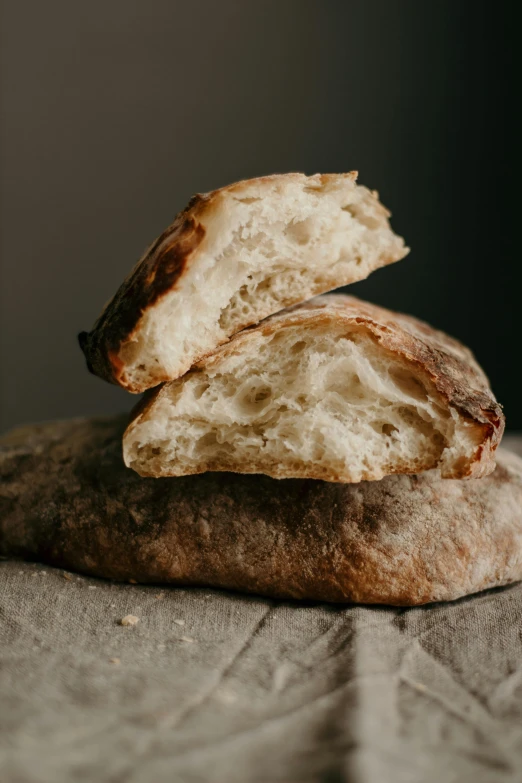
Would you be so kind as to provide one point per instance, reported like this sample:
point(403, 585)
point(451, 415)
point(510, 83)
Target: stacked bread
point(247, 368)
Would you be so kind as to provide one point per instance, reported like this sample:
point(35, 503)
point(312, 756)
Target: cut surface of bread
point(231, 258)
point(67, 499)
point(335, 389)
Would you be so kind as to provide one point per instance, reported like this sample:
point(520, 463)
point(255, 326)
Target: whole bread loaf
point(67, 499)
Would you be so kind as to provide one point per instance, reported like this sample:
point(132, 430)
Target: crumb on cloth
point(129, 619)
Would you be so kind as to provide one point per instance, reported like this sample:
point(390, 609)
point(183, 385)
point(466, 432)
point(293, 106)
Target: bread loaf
point(66, 499)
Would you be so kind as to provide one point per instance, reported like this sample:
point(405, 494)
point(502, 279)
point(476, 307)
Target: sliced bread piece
point(334, 389)
point(230, 259)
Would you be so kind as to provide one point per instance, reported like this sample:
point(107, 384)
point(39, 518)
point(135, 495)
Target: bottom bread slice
point(67, 499)
point(335, 389)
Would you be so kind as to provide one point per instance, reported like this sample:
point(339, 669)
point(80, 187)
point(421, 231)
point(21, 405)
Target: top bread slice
point(334, 389)
point(231, 258)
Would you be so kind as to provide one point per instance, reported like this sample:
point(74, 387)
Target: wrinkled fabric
point(212, 686)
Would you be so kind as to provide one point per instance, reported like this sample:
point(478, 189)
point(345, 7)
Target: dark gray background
point(114, 113)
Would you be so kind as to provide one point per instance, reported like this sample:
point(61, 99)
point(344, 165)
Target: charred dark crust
point(155, 275)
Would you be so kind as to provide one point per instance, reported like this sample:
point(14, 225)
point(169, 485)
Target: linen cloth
point(213, 686)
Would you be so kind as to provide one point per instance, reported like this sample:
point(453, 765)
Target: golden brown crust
point(442, 360)
point(66, 499)
point(160, 270)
